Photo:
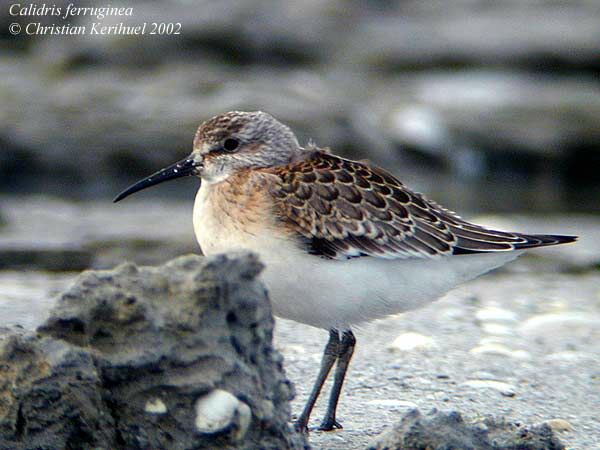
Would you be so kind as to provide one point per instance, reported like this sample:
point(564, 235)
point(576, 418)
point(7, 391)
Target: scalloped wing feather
point(343, 209)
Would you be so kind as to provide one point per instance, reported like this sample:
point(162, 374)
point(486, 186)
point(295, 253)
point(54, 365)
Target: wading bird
point(343, 242)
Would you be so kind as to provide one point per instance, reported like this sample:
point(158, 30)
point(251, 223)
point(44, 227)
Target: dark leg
point(330, 354)
point(344, 356)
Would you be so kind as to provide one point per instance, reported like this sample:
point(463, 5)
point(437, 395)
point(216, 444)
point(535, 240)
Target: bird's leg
point(345, 354)
point(330, 354)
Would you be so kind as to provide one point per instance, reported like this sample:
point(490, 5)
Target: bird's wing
point(342, 209)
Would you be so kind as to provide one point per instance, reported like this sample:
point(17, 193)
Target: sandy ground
point(523, 346)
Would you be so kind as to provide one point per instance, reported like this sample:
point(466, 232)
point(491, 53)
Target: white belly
point(328, 293)
point(337, 294)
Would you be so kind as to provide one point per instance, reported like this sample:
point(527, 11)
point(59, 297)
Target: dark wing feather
point(343, 209)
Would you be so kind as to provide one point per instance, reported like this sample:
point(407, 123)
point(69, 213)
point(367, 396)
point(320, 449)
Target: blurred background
point(490, 107)
point(483, 106)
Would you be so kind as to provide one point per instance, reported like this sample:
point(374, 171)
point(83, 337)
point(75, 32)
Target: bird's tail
point(498, 241)
point(544, 240)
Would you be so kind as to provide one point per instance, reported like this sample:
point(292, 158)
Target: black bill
point(182, 168)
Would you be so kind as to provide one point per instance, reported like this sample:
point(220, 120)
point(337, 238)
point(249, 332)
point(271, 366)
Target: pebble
point(483, 375)
point(292, 349)
point(217, 411)
point(556, 307)
point(566, 322)
point(268, 409)
point(391, 403)
point(559, 425)
point(495, 314)
point(493, 340)
point(420, 125)
point(569, 356)
point(496, 328)
point(499, 349)
point(411, 341)
point(452, 313)
point(508, 390)
point(155, 406)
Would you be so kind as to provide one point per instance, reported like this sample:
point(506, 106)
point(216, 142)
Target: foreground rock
point(439, 430)
point(178, 356)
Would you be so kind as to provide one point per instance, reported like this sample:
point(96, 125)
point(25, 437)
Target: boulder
point(440, 430)
point(178, 356)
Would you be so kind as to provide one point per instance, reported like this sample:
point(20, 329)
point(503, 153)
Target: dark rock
point(447, 430)
point(176, 356)
point(51, 396)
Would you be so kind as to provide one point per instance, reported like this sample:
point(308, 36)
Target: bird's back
point(344, 209)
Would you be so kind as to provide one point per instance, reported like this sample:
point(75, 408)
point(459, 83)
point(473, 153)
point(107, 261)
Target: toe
point(330, 424)
point(300, 427)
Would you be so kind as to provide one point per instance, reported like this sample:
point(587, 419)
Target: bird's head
point(226, 144)
point(241, 140)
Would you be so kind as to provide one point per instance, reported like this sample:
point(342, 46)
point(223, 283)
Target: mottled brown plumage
point(346, 209)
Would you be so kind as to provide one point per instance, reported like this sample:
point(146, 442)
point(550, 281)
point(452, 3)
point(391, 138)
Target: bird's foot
point(330, 424)
point(301, 426)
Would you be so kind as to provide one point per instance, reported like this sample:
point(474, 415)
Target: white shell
point(155, 406)
point(218, 410)
point(411, 341)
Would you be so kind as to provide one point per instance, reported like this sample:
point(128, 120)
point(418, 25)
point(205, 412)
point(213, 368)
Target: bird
point(343, 242)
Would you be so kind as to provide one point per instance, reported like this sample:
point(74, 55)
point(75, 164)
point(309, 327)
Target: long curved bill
point(185, 167)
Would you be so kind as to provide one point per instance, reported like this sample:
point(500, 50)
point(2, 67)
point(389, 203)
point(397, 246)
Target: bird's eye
point(230, 144)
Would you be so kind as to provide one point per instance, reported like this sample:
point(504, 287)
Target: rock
point(143, 357)
point(559, 425)
point(392, 404)
point(495, 314)
point(51, 396)
point(570, 357)
point(484, 375)
point(568, 321)
point(155, 406)
point(560, 330)
point(411, 341)
point(507, 390)
point(497, 329)
point(443, 430)
point(500, 350)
